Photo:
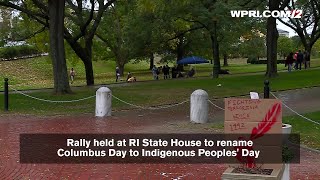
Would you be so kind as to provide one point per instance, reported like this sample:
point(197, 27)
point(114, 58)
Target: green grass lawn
point(163, 92)
point(309, 132)
point(37, 72)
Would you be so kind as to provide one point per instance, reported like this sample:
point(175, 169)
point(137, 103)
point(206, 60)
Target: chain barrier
point(150, 108)
point(215, 105)
point(51, 101)
point(296, 111)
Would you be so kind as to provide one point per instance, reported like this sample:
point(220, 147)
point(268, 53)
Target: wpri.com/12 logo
point(296, 13)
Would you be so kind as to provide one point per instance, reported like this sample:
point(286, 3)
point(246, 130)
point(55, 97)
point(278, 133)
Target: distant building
point(283, 33)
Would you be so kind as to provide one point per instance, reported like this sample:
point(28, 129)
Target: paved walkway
point(161, 121)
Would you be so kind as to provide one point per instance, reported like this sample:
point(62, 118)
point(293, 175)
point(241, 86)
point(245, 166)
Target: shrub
point(17, 51)
point(252, 60)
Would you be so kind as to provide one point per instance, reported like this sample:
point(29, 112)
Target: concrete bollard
point(199, 106)
point(103, 102)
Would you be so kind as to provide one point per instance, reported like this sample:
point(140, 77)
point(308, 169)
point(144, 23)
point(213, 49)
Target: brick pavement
point(12, 125)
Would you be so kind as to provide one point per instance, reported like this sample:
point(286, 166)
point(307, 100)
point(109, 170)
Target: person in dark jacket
point(289, 61)
point(174, 72)
point(117, 74)
point(299, 59)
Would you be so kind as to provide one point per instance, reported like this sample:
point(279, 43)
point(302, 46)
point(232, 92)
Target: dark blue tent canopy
point(192, 60)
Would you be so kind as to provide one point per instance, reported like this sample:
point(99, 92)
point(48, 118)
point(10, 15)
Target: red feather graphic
point(263, 127)
point(269, 120)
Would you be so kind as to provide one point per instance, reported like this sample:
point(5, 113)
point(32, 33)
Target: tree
point(272, 37)
point(5, 25)
point(285, 46)
point(115, 31)
point(55, 9)
point(307, 27)
point(253, 45)
point(82, 18)
point(207, 15)
point(56, 29)
point(316, 49)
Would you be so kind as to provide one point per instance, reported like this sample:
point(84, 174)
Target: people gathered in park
point(298, 59)
point(191, 72)
point(175, 72)
point(131, 78)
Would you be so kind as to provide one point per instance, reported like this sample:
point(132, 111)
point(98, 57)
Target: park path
point(303, 101)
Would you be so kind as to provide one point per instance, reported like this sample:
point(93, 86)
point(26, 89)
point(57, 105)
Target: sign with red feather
point(254, 119)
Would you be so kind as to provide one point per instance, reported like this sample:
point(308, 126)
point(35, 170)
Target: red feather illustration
point(263, 127)
point(269, 120)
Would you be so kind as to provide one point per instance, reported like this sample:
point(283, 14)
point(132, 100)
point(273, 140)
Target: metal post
point(266, 89)
point(6, 95)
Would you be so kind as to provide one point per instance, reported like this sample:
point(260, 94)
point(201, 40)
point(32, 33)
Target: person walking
point(117, 74)
point(72, 75)
point(289, 61)
point(299, 59)
point(155, 72)
point(295, 59)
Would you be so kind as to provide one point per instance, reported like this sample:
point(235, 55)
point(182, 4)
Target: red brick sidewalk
point(10, 168)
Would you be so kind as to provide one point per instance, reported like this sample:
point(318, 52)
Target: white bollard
point(286, 172)
point(199, 106)
point(103, 102)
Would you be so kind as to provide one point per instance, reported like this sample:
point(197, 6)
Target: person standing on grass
point(155, 72)
point(72, 75)
point(164, 71)
point(117, 74)
point(299, 59)
point(289, 61)
point(167, 75)
point(295, 56)
point(174, 72)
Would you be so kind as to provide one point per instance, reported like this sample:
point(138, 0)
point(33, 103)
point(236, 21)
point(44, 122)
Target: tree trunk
point(180, 53)
point(225, 60)
point(57, 51)
point(89, 72)
point(85, 54)
point(88, 63)
point(308, 49)
point(151, 61)
point(272, 42)
point(215, 49)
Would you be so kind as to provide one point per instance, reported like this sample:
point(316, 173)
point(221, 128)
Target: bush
point(265, 62)
point(252, 60)
point(17, 51)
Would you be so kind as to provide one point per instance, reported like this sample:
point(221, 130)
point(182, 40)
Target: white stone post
point(286, 172)
point(103, 102)
point(199, 106)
